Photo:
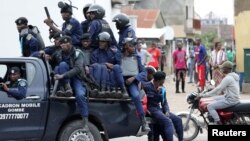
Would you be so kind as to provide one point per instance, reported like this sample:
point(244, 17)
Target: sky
point(34, 10)
point(221, 8)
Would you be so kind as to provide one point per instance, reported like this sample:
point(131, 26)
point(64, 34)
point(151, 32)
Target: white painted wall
point(33, 10)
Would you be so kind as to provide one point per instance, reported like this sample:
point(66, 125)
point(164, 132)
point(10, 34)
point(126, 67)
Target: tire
point(73, 132)
point(244, 119)
point(192, 129)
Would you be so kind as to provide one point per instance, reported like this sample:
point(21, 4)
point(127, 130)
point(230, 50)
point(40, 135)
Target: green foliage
point(208, 39)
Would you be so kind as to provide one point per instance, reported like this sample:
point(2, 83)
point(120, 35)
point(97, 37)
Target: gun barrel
point(47, 12)
point(48, 15)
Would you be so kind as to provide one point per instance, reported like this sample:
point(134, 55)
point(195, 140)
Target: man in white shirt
point(141, 50)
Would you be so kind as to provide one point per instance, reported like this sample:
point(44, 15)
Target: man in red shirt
point(180, 66)
point(156, 54)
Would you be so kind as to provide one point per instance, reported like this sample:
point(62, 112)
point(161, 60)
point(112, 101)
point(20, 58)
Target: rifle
point(48, 15)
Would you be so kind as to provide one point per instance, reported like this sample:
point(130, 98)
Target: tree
point(208, 39)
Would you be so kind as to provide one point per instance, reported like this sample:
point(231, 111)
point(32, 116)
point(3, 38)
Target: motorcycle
point(198, 117)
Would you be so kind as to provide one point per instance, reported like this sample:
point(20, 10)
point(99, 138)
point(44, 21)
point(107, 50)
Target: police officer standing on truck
point(71, 27)
point(28, 42)
point(98, 25)
point(125, 30)
point(70, 70)
point(85, 24)
point(16, 87)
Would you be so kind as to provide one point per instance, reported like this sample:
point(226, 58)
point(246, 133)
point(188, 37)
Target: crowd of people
point(201, 64)
point(90, 50)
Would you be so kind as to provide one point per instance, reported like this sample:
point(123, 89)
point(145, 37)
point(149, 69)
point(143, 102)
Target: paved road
point(177, 103)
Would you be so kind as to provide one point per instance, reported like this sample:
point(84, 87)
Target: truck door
point(24, 119)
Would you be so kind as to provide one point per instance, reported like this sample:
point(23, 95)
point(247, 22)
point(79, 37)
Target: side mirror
point(212, 82)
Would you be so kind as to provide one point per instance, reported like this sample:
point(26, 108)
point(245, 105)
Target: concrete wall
point(242, 31)
point(242, 34)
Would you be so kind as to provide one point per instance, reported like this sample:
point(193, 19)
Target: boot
point(60, 92)
point(85, 121)
point(144, 124)
point(68, 90)
point(112, 92)
point(118, 94)
point(101, 93)
point(93, 93)
point(125, 93)
point(107, 93)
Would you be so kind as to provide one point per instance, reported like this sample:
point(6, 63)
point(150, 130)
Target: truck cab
point(41, 117)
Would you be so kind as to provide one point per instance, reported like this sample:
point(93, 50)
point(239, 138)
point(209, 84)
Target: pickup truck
point(43, 117)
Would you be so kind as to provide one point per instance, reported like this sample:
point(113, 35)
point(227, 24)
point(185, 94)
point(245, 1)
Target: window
point(3, 71)
point(30, 69)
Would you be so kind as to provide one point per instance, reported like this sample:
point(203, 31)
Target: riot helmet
point(104, 36)
point(65, 7)
point(85, 9)
point(131, 41)
point(121, 21)
point(98, 10)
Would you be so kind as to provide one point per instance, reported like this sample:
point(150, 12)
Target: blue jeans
point(107, 78)
point(220, 103)
point(61, 69)
point(80, 94)
point(135, 94)
point(163, 126)
point(156, 130)
point(78, 88)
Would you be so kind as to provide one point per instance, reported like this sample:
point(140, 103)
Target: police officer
point(71, 26)
point(125, 30)
point(106, 65)
point(133, 73)
point(165, 120)
point(17, 87)
point(98, 25)
point(70, 70)
point(51, 53)
point(85, 24)
point(85, 48)
point(29, 44)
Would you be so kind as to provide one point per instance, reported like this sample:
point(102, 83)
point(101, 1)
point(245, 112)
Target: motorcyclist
point(229, 86)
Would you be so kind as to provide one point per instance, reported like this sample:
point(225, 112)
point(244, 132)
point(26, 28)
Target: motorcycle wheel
point(244, 119)
point(192, 130)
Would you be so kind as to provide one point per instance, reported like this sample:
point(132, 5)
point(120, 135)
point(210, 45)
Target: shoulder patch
point(22, 82)
point(130, 34)
point(77, 52)
point(114, 49)
point(28, 37)
point(69, 27)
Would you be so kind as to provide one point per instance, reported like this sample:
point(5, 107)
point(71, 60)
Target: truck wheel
point(73, 132)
